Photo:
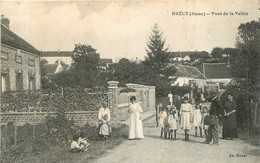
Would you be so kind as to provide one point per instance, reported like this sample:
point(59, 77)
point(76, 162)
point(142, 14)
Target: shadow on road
point(255, 152)
point(180, 138)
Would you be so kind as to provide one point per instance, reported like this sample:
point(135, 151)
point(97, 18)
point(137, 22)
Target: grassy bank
point(52, 146)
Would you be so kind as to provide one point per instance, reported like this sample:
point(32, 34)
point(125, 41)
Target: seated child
point(75, 147)
point(162, 116)
point(82, 141)
point(104, 127)
point(173, 122)
point(205, 127)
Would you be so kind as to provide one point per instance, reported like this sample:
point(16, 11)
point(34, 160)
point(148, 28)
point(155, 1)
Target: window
point(31, 62)
point(4, 55)
point(18, 57)
point(19, 81)
point(31, 81)
point(4, 82)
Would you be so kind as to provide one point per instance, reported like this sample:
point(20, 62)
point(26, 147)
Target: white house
point(53, 56)
point(54, 68)
point(217, 73)
point(187, 75)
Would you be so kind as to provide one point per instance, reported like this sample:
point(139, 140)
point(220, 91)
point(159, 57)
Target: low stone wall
point(80, 117)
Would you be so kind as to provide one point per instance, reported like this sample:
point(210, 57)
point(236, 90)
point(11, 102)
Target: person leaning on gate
point(214, 115)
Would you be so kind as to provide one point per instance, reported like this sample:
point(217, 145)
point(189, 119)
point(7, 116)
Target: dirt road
point(154, 149)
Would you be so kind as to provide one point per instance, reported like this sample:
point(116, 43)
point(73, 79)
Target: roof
point(216, 70)
point(182, 54)
point(11, 39)
point(106, 60)
point(188, 71)
point(50, 68)
point(57, 53)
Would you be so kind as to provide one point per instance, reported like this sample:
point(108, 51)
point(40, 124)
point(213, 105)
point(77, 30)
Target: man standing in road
point(215, 114)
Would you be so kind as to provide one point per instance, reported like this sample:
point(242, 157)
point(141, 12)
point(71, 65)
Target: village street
point(157, 150)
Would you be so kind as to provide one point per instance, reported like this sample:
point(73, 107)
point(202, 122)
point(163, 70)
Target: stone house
point(20, 62)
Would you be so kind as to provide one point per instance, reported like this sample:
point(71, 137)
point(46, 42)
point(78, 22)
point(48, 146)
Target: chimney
point(5, 21)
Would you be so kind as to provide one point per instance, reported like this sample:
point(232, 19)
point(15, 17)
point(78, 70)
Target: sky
point(121, 29)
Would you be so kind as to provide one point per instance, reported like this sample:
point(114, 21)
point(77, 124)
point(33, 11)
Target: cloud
point(121, 29)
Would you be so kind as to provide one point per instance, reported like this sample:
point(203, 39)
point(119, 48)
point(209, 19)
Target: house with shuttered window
point(20, 61)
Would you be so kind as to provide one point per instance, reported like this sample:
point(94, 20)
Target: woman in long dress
point(136, 126)
point(229, 123)
point(186, 117)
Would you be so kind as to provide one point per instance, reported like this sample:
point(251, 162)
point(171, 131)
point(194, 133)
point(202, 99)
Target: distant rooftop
point(216, 70)
point(182, 54)
point(106, 60)
point(50, 68)
point(56, 53)
point(188, 71)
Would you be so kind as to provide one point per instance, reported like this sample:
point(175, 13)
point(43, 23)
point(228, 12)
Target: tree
point(45, 81)
point(127, 71)
point(216, 52)
point(245, 60)
point(245, 69)
point(157, 56)
point(85, 65)
point(199, 55)
point(249, 31)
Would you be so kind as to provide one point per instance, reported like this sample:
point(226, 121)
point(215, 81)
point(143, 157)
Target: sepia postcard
point(130, 81)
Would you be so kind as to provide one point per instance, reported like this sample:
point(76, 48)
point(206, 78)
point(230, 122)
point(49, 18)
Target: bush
point(19, 100)
point(59, 128)
point(72, 99)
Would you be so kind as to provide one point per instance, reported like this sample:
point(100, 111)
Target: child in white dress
point(166, 127)
point(162, 116)
point(205, 127)
point(186, 117)
point(197, 119)
point(173, 123)
point(104, 127)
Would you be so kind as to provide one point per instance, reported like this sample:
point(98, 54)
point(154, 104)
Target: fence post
point(113, 97)
point(5, 135)
point(15, 131)
point(157, 116)
point(34, 123)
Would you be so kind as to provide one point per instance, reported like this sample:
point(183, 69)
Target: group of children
point(168, 121)
point(79, 142)
point(170, 118)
